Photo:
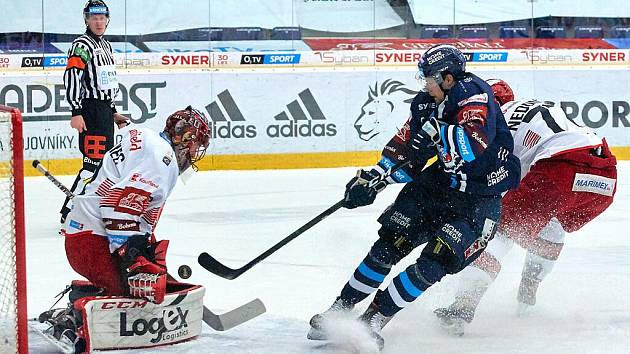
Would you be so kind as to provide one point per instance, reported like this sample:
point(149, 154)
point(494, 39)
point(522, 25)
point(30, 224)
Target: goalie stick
point(218, 322)
point(214, 266)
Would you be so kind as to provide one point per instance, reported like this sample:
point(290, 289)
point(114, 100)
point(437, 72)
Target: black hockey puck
point(184, 271)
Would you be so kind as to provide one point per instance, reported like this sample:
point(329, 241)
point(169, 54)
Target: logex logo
point(232, 126)
point(301, 125)
point(172, 320)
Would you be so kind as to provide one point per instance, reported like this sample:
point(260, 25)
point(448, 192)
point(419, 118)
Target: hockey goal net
point(13, 325)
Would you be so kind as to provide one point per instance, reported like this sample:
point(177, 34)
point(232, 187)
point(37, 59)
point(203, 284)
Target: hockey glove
point(453, 163)
point(363, 188)
point(424, 140)
point(143, 265)
point(428, 135)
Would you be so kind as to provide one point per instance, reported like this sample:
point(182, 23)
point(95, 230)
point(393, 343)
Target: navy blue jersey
point(473, 130)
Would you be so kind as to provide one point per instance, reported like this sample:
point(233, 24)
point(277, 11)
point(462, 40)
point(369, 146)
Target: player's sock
point(540, 259)
point(535, 270)
point(409, 285)
point(365, 280)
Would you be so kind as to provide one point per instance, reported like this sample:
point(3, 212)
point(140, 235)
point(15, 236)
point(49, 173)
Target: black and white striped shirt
point(90, 72)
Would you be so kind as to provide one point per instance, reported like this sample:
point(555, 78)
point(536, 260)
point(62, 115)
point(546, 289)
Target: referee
point(91, 87)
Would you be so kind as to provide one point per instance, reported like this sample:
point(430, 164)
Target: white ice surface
point(583, 306)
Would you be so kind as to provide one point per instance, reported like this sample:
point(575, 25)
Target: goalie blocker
point(116, 322)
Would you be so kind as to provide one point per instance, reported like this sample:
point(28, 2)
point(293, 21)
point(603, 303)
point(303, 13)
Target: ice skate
point(453, 319)
point(526, 295)
point(375, 322)
point(530, 280)
point(318, 322)
point(60, 325)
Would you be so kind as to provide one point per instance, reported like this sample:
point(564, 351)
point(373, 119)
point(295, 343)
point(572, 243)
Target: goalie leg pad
point(139, 323)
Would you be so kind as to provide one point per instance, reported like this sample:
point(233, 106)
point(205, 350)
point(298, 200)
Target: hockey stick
point(38, 165)
point(218, 322)
point(214, 266)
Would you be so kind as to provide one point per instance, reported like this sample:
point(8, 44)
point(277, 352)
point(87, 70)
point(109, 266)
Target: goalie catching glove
point(363, 188)
point(143, 266)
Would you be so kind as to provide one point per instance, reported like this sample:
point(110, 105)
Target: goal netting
point(13, 330)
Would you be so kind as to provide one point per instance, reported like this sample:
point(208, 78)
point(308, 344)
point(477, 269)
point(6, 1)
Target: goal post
point(13, 317)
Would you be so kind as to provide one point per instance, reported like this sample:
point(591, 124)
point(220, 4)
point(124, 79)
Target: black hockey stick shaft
point(218, 322)
point(214, 266)
point(38, 165)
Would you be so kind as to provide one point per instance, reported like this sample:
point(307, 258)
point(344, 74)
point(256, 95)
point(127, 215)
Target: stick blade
point(213, 266)
point(235, 317)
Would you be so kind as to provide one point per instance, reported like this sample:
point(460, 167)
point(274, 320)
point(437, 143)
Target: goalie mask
point(189, 133)
point(501, 90)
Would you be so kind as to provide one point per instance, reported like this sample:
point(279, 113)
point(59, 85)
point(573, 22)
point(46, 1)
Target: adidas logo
point(300, 125)
point(232, 126)
point(306, 119)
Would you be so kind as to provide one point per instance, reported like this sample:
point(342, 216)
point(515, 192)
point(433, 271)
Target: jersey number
point(544, 112)
point(551, 123)
point(116, 153)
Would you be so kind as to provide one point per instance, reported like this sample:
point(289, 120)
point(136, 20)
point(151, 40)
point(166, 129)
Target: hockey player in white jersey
point(109, 231)
point(569, 177)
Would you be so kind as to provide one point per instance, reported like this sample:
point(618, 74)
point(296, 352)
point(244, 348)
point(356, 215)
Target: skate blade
point(524, 310)
point(453, 327)
point(316, 334)
point(338, 347)
point(44, 330)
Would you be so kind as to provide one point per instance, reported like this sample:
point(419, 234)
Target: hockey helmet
point(189, 132)
point(501, 90)
point(440, 60)
point(95, 7)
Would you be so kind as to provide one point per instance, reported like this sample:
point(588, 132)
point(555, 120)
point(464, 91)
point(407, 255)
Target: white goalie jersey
point(128, 189)
point(541, 131)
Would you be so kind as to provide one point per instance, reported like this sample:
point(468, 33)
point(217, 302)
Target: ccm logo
point(124, 305)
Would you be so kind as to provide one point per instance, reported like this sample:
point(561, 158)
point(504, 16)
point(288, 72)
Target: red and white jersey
point(541, 131)
point(128, 190)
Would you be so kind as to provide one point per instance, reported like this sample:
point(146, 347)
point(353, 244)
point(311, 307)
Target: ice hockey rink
point(583, 305)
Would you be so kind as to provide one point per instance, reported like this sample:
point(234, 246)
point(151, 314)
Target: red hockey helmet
point(501, 90)
point(189, 132)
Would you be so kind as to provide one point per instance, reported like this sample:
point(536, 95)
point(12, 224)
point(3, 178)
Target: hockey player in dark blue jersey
point(452, 206)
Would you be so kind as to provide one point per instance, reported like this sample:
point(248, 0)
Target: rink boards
point(301, 117)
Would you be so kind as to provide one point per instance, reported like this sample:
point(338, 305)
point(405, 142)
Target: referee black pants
point(93, 142)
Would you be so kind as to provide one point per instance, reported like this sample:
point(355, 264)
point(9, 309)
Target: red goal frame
point(17, 142)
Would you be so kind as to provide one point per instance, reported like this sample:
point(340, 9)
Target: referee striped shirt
point(87, 53)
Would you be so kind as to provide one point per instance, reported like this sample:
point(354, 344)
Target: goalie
point(109, 232)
